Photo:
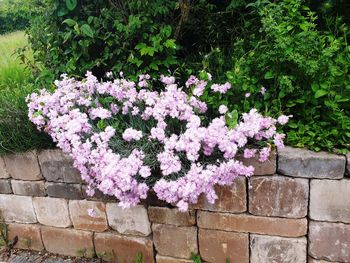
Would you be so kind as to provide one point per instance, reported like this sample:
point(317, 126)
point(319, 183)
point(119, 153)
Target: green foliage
point(305, 72)
point(14, 15)
point(130, 36)
point(17, 133)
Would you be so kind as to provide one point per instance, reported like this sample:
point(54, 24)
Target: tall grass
point(16, 132)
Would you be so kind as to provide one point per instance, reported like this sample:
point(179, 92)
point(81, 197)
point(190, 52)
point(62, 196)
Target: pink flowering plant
point(128, 138)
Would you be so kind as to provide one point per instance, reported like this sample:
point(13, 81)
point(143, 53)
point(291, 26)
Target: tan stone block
point(3, 172)
point(82, 220)
point(16, 208)
point(175, 241)
point(329, 241)
point(31, 188)
point(164, 259)
point(231, 198)
point(69, 242)
point(268, 249)
point(113, 247)
point(218, 246)
point(261, 168)
point(328, 200)
point(52, 211)
point(171, 216)
point(23, 166)
point(312, 260)
point(245, 223)
point(133, 221)
point(29, 236)
point(279, 196)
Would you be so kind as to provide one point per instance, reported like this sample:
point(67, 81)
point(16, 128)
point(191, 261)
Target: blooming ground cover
point(127, 138)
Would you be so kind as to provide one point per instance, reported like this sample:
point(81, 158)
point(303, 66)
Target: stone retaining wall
point(295, 209)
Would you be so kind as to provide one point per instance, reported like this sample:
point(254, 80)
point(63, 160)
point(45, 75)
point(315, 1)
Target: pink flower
point(263, 90)
point(283, 119)
point(132, 134)
point(223, 109)
point(247, 95)
point(91, 212)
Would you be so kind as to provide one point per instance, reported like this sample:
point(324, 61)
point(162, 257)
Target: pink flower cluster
point(190, 154)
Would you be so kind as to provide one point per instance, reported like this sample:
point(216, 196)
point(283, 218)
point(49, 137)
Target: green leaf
point(320, 93)
point(86, 29)
point(71, 4)
point(69, 22)
point(268, 75)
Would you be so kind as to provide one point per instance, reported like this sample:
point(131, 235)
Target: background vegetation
point(297, 50)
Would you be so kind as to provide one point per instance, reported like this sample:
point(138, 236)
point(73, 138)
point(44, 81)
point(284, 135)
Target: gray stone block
point(5, 186)
point(58, 167)
point(63, 190)
point(31, 188)
point(308, 164)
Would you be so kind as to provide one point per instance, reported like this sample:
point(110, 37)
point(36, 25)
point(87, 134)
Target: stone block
point(29, 236)
point(175, 241)
point(112, 247)
point(58, 167)
point(63, 190)
point(171, 216)
point(30, 188)
point(308, 164)
point(98, 196)
point(328, 200)
point(81, 219)
point(132, 221)
point(312, 260)
point(219, 246)
point(3, 172)
point(329, 241)
point(5, 186)
point(69, 242)
point(17, 209)
point(231, 198)
point(23, 166)
point(279, 196)
point(245, 223)
point(261, 168)
point(268, 249)
point(52, 211)
point(164, 259)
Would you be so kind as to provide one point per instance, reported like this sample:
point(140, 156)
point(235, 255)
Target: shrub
point(126, 139)
point(287, 65)
point(14, 15)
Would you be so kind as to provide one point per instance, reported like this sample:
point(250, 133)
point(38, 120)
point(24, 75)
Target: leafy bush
point(126, 139)
point(304, 71)
point(14, 15)
point(17, 133)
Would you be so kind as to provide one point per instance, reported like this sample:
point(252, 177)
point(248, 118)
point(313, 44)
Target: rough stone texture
point(218, 246)
point(348, 164)
point(262, 168)
point(312, 260)
point(329, 241)
point(31, 188)
point(329, 200)
point(18, 209)
point(29, 236)
point(23, 166)
point(309, 164)
point(279, 196)
point(62, 190)
point(82, 220)
point(5, 186)
point(68, 242)
point(3, 172)
point(133, 221)
point(163, 259)
point(231, 198)
point(274, 226)
point(52, 211)
point(58, 167)
point(171, 216)
point(267, 249)
point(98, 196)
point(175, 241)
point(116, 248)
